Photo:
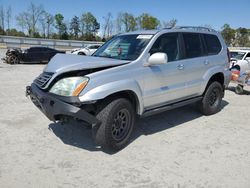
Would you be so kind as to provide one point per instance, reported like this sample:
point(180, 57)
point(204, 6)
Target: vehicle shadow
point(232, 88)
point(77, 135)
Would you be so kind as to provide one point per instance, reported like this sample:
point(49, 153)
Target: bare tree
point(8, 18)
point(49, 22)
point(2, 19)
point(170, 24)
point(35, 14)
point(28, 19)
point(118, 23)
point(42, 21)
point(23, 20)
point(108, 26)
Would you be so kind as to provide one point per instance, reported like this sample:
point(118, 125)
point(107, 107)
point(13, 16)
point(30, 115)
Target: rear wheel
point(239, 89)
point(81, 53)
point(211, 101)
point(117, 124)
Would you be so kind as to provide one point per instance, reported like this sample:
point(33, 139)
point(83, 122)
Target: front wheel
point(212, 99)
point(117, 119)
point(13, 60)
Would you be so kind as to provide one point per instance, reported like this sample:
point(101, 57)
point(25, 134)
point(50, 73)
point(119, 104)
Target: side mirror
point(157, 59)
point(247, 58)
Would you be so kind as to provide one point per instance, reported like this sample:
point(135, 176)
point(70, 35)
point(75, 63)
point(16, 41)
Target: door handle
point(180, 66)
point(206, 62)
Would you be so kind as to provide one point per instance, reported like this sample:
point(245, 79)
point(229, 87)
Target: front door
point(165, 83)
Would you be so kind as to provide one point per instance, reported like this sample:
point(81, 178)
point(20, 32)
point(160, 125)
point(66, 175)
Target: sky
point(188, 12)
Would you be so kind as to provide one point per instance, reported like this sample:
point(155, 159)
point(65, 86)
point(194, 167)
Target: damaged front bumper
point(54, 107)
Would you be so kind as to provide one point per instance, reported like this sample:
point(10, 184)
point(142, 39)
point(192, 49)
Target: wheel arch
point(219, 77)
point(128, 89)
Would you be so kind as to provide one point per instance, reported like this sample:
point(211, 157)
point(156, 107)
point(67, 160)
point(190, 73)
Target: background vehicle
point(240, 60)
point(88, 50)
point(139, 73)
point(31, 55)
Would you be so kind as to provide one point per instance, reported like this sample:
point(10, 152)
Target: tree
point(23, 20)
point(118, 23)
point(14, 32)
point(42, 21)
point(29, 18)
point(8, 18)
point(147, 21)
point(89, 25)
point(2, 20)
point(170, 24)
point(228, 34)
point(242, 37)
point(61, 26)
point(49, 22)
point(108, 26)
point(35, 13)
point(128, 21)
point(75, 26)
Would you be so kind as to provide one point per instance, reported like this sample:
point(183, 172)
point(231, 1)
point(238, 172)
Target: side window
point(193, 45)
point(169, 44)
point(212, 43)
point(248, 55)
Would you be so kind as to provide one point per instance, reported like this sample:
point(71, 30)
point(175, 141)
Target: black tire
point(13, 60)
point(211, 102)
point(117, 119)
point(81, 53)
point(239, 89)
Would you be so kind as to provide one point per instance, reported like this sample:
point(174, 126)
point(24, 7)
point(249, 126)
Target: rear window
point(193, 45)
point(212, 43)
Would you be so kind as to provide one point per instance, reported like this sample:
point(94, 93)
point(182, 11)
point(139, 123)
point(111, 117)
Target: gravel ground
point(178, 148)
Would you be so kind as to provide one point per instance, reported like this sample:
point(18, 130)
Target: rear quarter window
point(193, 45)
point(212, 44)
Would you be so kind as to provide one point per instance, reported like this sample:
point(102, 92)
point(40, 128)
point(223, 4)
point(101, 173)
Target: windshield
point(237, 55)
point(124, 47)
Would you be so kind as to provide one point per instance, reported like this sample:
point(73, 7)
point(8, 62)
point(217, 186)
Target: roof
point(177, 29)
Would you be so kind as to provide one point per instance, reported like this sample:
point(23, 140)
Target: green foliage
point(14, 32)
point(89, 24)
point(146, 21)
point(75, 26)
point(243, 36)
point(228, 34)
point(61, 26)
point(129, 21)
point(2, 32)
point(236, 37)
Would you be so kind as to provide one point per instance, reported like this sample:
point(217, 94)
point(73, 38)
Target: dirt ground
point(178, 148)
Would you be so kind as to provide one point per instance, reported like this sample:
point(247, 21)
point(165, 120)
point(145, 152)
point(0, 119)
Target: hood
point(68, 62)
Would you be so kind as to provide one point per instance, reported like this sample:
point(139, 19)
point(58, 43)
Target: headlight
point(71, 86)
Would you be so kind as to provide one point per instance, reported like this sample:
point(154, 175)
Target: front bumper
point(54, 108)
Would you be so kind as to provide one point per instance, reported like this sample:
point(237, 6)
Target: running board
point(170, 106)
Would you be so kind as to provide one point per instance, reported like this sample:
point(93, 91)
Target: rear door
point(196, 62)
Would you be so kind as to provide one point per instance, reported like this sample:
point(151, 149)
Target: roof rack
point(198, 28)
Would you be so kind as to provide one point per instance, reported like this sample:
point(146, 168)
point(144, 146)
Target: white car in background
point(240, 60)
point(88, 50)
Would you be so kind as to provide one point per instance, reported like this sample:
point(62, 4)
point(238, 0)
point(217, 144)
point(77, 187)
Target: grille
point(43, 79)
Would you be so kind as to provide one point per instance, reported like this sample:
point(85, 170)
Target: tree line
point(36, 22)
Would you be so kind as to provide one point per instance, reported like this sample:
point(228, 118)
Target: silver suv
point(134, 74)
